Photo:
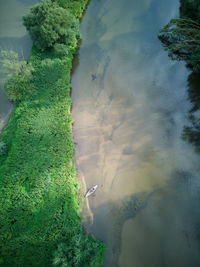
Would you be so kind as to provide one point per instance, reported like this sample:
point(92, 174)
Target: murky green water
point(13, 36)
point(130, 104)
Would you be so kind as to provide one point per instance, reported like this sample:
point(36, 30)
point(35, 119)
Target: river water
point(13, 36)
point(130, 104)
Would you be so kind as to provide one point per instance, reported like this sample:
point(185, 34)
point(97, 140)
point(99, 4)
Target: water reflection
point(130, 105)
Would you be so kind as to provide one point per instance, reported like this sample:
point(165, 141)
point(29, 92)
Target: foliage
point(61, 50)
point(39, 201)
point(81, 251)
point(76, 7)
point(191, 132)
point(181, 36)
point(190, 9)
point(3, 148)
point(18, 88)
point(50, 24)
point(194, 60)
point(19, 74)
point(13, 66)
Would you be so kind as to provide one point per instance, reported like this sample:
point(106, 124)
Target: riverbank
point(39, 195)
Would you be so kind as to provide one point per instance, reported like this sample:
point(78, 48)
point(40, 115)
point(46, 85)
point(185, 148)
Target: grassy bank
point(39, 204)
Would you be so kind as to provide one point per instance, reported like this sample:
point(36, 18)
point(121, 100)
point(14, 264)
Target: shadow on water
point(168, 208)
point(191, 133)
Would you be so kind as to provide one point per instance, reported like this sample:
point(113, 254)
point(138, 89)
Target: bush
point(76, 7)
point(80, 251)
point(13, 66)
point(61, 50)
point(50, 24)
point(18, 88)
point(19, 74)
point(3, 148)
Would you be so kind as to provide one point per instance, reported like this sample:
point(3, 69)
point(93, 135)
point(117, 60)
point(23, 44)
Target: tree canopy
point(13, 66)
point(190, 9)
point(181, 36)
point(18, 76)
point(49, 24)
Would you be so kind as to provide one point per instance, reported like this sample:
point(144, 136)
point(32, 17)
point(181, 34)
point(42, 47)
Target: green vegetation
point(191, 133)
point(190, 9)
point(13, 66)
point(81, 252)
point(181, 36)
point(19, 75)
point(50, 24)
point(76, 7)
point(39, 203)
point(3, 148)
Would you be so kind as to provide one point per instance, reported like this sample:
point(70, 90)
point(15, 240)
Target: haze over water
point(130, 105)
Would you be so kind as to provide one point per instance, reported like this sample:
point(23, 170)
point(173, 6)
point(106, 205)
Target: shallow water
point(13, 36)
point(130, 105)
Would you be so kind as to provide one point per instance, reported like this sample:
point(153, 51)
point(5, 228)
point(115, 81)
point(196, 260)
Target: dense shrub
point(50, 24)
point(76, 7)
point(13, 66)
point(81, 251)
point(18, 75)
point(19, 88)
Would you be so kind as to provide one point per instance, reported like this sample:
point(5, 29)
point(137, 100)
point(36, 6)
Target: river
point(13, 36)
point(130, 104)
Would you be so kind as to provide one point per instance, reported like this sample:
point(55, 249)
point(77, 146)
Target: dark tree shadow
point(191, 133)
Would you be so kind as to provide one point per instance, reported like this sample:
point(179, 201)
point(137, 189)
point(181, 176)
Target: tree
point(12, 66)
point(80, 251)
point(181, 37)
point(18, 74)
point(190, 9)
point(191, 132)
point(49, 24)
